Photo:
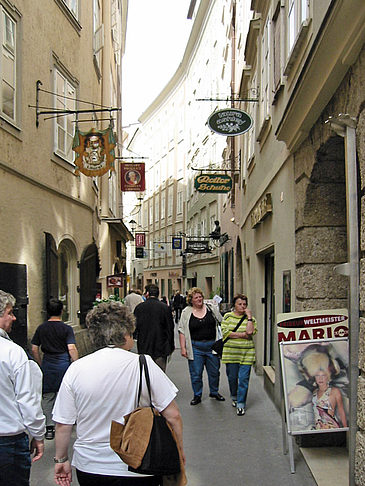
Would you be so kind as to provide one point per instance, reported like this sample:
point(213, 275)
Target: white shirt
point(97, 389)
point(20, 392)
point(132, 300)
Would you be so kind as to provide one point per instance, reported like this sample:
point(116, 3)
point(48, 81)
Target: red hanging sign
point(132, 177)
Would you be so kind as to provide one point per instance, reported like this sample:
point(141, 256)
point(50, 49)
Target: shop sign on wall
point(261, 210)
point(230, 122)
point(213, 183)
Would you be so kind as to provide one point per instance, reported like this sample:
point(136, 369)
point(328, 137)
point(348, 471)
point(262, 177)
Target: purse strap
point(143, 364)
point(235, 329)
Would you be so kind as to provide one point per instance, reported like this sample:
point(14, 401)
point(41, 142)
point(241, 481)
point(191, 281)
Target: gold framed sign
point(94, 151)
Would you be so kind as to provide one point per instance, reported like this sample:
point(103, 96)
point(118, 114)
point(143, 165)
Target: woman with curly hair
point(99, 388)
point(198, 330)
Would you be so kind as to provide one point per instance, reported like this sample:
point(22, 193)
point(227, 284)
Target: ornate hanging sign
point(213, 183)
point(230, 122)
point(94, 151)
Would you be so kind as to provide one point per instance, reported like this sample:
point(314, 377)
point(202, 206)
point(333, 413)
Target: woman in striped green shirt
point(239, 350)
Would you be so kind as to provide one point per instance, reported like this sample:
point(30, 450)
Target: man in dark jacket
point(154, 327)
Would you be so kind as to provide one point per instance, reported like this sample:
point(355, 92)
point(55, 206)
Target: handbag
point(146, 441)
point(217, 346)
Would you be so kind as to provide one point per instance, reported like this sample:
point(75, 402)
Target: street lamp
point(133, 225)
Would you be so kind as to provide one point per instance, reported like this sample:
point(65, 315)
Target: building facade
point(63, 234)
point(175, 136)
point(288, 211)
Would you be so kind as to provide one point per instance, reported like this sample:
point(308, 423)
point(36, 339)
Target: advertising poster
point(316, 385)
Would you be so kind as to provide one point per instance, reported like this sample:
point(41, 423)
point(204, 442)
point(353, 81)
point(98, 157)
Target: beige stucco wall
point(40, 191)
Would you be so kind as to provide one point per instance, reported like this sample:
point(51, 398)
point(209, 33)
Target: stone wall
point(320, 223)
point(360, 442)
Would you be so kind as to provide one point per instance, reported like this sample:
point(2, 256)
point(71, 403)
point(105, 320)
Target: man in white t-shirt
point(102, 387)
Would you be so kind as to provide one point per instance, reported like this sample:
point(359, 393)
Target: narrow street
point(220, 447)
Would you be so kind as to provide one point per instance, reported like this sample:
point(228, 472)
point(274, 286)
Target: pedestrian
point(20, 397)
point(178, 305)
point(132, 300)
point(164, 300)
point(154, 327)
point(198, 330)
point(239, 350)
point(57, 342)
point(99, 388)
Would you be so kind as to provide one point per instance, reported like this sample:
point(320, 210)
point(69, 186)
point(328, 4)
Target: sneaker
point(240, 411)
point(234, 403)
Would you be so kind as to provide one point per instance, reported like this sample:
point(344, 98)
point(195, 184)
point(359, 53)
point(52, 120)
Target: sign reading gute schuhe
point(213, 183)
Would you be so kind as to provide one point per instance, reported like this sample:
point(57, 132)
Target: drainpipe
point(345, 127)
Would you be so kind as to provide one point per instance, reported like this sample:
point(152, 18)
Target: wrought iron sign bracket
point(42, 110)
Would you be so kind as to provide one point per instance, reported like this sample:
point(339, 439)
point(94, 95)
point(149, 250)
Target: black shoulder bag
point(218, 345)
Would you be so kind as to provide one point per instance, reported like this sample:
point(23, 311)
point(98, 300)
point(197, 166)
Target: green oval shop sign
point(230, 122)
point(213, 183)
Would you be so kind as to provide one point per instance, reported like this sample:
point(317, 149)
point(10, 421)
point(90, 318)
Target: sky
point(157, 34)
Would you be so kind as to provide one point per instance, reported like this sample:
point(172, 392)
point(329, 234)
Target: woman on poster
point(329, 412)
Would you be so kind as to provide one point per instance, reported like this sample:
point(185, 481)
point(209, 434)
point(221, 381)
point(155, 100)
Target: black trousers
point(88, 479)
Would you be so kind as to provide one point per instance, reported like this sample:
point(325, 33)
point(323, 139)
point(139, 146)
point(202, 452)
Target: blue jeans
point(238, 377)
point(203, 356)
point(14, 460)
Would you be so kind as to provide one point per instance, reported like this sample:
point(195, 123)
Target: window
point(265, 72)
point(64, 126)
point(8, 66)
point(98, 38)
point(179, 202)
point(170, 202)
point(276, 29)
point(73, 6)
point(163, 205)
point(297, 14)
point(112, 181)
point(157, 209)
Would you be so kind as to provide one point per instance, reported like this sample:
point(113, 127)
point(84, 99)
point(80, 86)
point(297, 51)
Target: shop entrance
point(269, 310)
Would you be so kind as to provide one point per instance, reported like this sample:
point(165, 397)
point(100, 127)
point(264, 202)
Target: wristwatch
point(60, 461)
point(249, 319)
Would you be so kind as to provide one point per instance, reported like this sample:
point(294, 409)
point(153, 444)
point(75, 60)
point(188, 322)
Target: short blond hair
point(191, 292)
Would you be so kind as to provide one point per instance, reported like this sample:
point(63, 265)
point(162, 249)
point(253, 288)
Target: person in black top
point(178, 305)
point(154, 327)
point(57, 342)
